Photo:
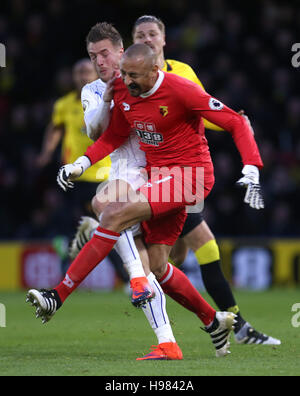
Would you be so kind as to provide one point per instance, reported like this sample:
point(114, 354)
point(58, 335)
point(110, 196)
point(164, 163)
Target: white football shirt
point(127, 159)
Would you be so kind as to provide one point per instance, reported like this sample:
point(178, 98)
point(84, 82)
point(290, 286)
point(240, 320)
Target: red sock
point(88, 258)
point(178, 286)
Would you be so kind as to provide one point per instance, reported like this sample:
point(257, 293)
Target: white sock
point(156, 313)
point(126, 249)
point(129, 254)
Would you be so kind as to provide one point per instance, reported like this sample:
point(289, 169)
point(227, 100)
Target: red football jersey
point(168, 121)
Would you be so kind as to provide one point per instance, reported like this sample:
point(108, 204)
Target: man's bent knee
point(98, 206)
point(159, 271)
point(178, 258)
point(113, 216)
point(158, 255)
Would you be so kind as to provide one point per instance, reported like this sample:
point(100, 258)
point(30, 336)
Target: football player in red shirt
point(165, 110)
point(196, 234)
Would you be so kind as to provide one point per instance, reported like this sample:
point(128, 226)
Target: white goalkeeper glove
point(70, 172)
point(250, 181)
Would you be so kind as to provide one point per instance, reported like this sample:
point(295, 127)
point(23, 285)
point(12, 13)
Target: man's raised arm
point(216, 112)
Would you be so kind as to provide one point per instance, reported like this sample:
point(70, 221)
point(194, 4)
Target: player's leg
point(116, 190)
point(178, 252)
point(155, 311)
point(118, 216)
point(176, 284)
point(160, 234)
point(115, 218)
point(86, 227)
point(120, 190)
point(106, 193)
point(198, 237)
point(201, 240)
point(156, 314)
point(83, 196)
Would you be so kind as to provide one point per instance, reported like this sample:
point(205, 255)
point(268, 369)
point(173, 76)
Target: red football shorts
point(168, 192)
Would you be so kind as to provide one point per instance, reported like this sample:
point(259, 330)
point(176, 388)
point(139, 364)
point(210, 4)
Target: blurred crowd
point(241, 52)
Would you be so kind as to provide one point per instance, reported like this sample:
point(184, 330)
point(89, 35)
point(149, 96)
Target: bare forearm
point(53, 136)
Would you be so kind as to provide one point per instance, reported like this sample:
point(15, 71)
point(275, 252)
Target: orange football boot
point(164, 351)
point(142, 292)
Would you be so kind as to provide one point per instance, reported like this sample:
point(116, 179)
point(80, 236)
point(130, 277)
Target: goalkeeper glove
point(250, 181)
point(70, 172)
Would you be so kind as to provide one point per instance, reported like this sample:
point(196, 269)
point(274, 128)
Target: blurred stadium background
point(241, 52)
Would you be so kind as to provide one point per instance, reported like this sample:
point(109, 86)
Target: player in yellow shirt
point(67, 128)
point(196, 234)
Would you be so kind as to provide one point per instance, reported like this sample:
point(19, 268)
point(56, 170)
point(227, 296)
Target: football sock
point(156, 313)
point(208, 253)
point(88, 258)
point(126, 249)
point(208, 256)
point(217, 286)
point(116, 260)
point(129, 254)
point(178, 286)
point(118, 265)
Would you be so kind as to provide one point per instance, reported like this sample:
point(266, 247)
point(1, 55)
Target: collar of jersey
point(155, 87)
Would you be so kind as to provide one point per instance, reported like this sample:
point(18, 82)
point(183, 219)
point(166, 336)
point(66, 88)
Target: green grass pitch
point(101, 334)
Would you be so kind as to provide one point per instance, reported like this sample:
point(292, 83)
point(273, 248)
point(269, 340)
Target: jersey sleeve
point(213, 110)
point(115, 135)
point(90, 105)
point(207, 124)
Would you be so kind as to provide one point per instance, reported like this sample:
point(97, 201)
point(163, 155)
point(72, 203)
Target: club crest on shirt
point(163, 110)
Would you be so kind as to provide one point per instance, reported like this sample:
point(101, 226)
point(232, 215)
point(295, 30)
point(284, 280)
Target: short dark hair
point(102, 31)
point(144, 50)
point(149, 19)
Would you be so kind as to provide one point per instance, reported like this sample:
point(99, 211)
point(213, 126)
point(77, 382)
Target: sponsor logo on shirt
point(146, 131)
point(99, 94)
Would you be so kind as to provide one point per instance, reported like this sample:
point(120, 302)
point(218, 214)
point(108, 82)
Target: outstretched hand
point(66, 174)
point(250, 181)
